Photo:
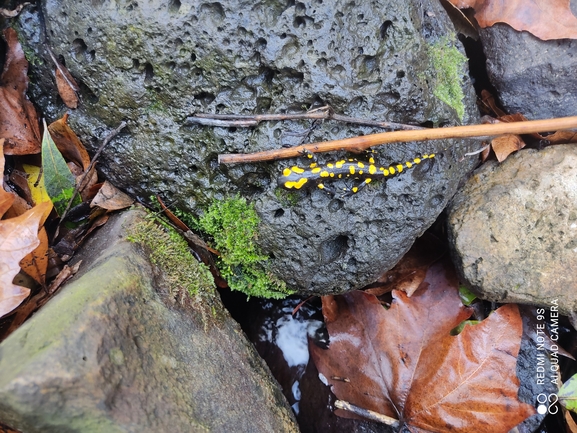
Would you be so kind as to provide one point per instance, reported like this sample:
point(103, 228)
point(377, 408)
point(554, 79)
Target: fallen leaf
point(546, 19)
point(66, 87)
point(36, 263)
point(568, 394)
point(18, 237)
point(111, 198)
point(35, 182)
point(410, 272)
point(58, 179)
point(73, 150)
point(18, 119)
point(504, 145)
point(404, 363)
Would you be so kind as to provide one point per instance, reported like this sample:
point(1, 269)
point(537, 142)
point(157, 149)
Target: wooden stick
point(368, 414)
point(321, 113)
point(358, 144)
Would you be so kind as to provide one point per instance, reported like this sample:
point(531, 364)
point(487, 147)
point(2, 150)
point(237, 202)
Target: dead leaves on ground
point(45, 170)
point(546, 19)
point(403, 362)
point(18, 121)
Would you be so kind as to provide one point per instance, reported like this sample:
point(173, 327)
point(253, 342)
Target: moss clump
point(233, 223)
point(170, 252)
point(449, 63)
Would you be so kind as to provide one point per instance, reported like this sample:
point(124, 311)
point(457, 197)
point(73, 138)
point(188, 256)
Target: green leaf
point(58, 179)
point(568, 394)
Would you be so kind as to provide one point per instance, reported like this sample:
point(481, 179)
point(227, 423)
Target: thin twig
point(322, 113)
point(79, 184)
point(358, 144)
point(368, 414)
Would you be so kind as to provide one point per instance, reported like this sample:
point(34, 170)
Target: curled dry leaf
point(65, 83)
point(18, 119)
point(111, 198)
point(404, 362)
point(546, 19)
point(504, 145)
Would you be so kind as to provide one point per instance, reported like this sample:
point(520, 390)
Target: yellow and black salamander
point(297, 177)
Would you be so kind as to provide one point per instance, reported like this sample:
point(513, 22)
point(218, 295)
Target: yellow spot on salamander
point(296, 169)
point(296, 185)
point(352, 169)
point(409, 164)
point(351, 160)
point(368, 180)
point(432, 155)
point(417, 160)
point(400, 168)
point(316, 170)
point(372, 169)
point(340, 163)
point(324, 173)
point(360, 164)
point(391, 170)
point(286, 172)
point(329, 165)
point(385, 172)
point(310, 155)
point(332, 174)
point(354, 189)
point(313, 165)
point(340, 176)
point(372, 160)
point(321, 186)
point(360, 171)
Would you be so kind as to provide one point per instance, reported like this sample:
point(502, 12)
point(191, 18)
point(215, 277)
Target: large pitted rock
point(108, 354)
point(513, 229)
point(155, 63)
point(533, 77)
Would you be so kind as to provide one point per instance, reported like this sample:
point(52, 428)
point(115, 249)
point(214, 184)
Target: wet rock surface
point(109, 354)
point(513, 229)
point(155, 63)
point(533, 77)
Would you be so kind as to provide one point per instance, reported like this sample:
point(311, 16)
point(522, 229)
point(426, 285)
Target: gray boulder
point(112, 354)
point(513, 229)
point(155, 64)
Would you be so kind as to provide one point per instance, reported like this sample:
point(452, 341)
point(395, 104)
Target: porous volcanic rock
point(156, 63)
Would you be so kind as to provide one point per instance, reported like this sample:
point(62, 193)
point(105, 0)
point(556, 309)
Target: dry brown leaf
point(65, 83)
point(111, 198)
point(410, 272)
point(504, 145)
point(74, 151)
point(36, 263)
point(546, 19)
point(404, 362)
point(18, 237)
point(18, 119)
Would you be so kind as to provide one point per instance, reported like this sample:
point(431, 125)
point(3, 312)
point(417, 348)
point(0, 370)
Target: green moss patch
point(449, 67)
point(233, 224)
point(170, 252)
